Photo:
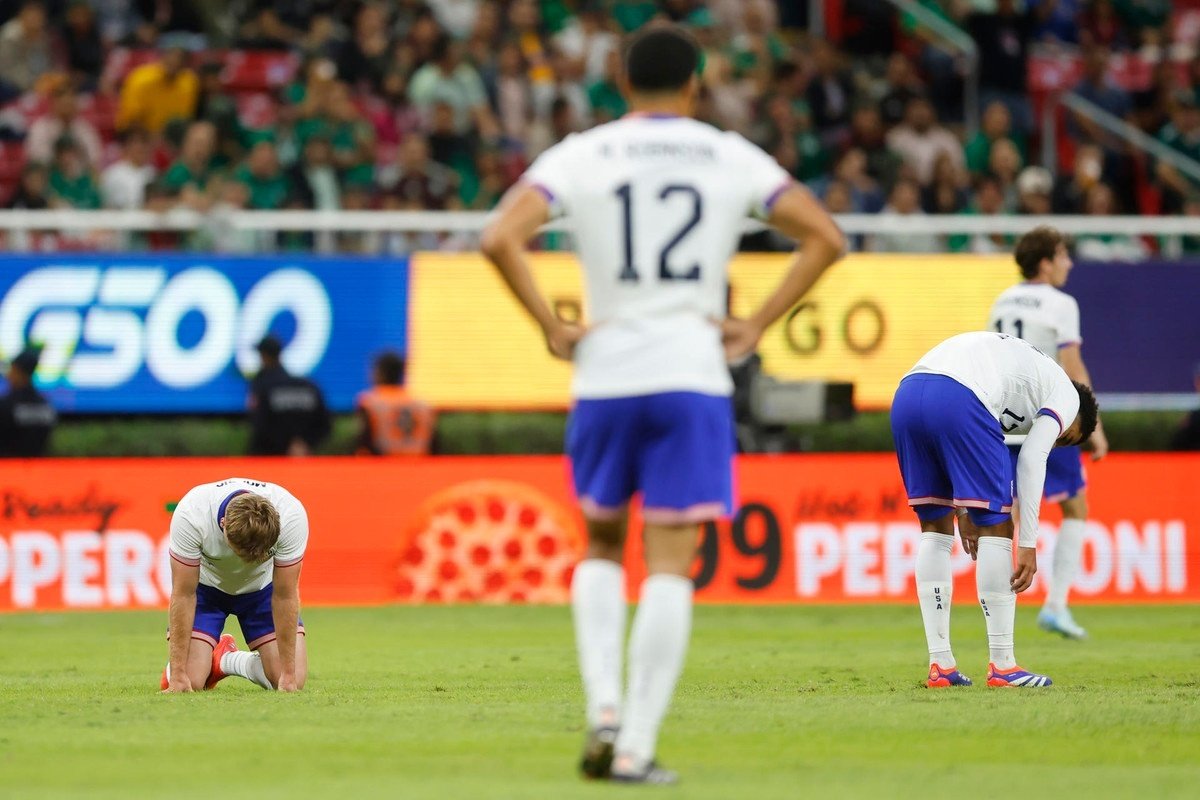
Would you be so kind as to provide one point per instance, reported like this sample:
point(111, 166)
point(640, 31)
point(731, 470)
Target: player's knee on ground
point(199, 663)
point(269, 653)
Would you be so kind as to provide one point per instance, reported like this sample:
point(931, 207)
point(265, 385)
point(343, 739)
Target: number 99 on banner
point(751, 554)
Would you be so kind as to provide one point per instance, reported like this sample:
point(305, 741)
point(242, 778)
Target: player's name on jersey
point(679, 151)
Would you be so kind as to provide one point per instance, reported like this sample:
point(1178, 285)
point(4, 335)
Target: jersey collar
point(224, 505)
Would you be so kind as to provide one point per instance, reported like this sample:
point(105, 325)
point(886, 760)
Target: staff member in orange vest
point(391, 422)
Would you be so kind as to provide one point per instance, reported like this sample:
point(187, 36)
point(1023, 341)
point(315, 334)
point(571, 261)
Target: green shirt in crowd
point(266, 194)
point(79, 192)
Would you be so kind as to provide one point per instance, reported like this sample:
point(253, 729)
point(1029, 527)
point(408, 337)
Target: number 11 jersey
point(1038, 313)
point(656, 206)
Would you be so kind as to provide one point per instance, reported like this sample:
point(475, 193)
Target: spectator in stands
point(448, 148)
point(1107, 246)
point(947, 192)
point(490, 182)
point(1060, 22)
point(1100, 25)
point(996, 125)
point(83, 45)
point(904, 201)
point(512, 96)
point(1181, 134)
point(288, 415)
point(588, 42)
point(903, 86)
point(313, 179)
point(525, 22)
point(72, 182)
point(449, 79)
point(265, 30)
point(1003, 39)
point(25, 53)
point(1004, 164)
point(321, 38)
point(364, 58)
point(1034, 188)
point(217, 106)
point(756, 49)
point(988, 199)
point(869, 135)
point(1096, 88)
point(457, 17)
point(1187, 436)
point(920, 139)
point(266, 184)
point(123, 184)
point(61, 120)
point(830, 95)
point(26, 418)
point(156, 93)
point(1070, 192)
point(390, 421)
point(865, 192)
point(32, 188)
point(182, 20)
point(192, 180)
point(422, 183)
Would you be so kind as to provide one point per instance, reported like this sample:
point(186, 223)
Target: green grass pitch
point(479, 702)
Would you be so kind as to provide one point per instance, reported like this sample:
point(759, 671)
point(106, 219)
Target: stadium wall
point(80, 534)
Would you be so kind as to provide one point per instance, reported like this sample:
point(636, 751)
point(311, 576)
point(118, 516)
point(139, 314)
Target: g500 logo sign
point(126, 317)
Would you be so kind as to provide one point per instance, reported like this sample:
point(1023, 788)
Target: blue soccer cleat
point(939, 677)
point(1016, 678)
point(1060, 622)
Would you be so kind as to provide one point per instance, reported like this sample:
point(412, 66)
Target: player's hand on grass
point(562, 337)
point(179, 683)
point(1022, 576)
point(740, 337)
point(287, 683)
point(1097, 445)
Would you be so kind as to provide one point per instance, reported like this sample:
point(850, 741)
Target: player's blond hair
point(251, 527)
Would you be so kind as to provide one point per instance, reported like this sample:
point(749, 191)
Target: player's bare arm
point(1070, 358)
point(522, 211)
point(285, 608)
point(796, 214)
point(184, 580)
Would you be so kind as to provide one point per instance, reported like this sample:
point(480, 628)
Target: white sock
point(246, 665)
point(598, 606)
point(657, 645)
point(993, 575)
point(935, 587)
point(1068, 550)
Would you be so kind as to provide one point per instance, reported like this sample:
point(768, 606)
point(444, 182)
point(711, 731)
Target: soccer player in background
point(656, 202)
point(236, 548)
point(1038, 312)
point(949, 418)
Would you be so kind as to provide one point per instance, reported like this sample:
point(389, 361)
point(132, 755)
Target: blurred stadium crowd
point(440, 104)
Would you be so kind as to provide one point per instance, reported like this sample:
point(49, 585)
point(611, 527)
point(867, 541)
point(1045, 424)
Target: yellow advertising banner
point(867, 321)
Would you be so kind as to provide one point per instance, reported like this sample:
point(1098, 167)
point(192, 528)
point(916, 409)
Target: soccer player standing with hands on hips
point(656, 202)
point(236, 548)
point(949, 418)
point(1038, 312)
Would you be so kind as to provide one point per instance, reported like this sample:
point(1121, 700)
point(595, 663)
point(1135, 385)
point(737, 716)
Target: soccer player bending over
point(656, 202)
point(949, 418)
point(236, 548)
point(1038, 312)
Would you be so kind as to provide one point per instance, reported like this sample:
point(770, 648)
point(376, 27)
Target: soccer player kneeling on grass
point(949, 418)
point(236, 548)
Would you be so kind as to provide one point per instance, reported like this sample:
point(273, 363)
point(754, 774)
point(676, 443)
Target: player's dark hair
point(1089, 411)
point(660, 59)
point(390, 368)
point(1041, 242)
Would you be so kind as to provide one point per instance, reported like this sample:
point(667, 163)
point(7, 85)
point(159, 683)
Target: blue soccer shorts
point(1065, 477)
point(253, 612)
point(674, 448)
point(951, 451)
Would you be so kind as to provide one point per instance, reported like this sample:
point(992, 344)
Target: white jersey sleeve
point(187, 539)
point(293, 534)
point(1062, 402)
point(760, 176)
point(551, 174)
point(1031, 477)
point(1068, 327)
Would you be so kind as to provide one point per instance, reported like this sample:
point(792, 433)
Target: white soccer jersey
point(1012, 378)
point(197, 538)
point(656, 204)
point(1038, 313)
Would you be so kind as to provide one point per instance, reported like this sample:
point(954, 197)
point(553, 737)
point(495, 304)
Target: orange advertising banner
point(811, 528)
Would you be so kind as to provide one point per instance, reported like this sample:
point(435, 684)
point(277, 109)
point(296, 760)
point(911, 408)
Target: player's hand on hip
point(740, 337)
point(1098, 445)
point(179, 683)
point(1022, 576)
point(287, 683)
point(562, 337)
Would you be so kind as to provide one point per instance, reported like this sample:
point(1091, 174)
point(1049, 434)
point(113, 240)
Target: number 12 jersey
point(656, 206)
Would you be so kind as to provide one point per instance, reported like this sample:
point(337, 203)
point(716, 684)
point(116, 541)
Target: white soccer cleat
point(1060, 622)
